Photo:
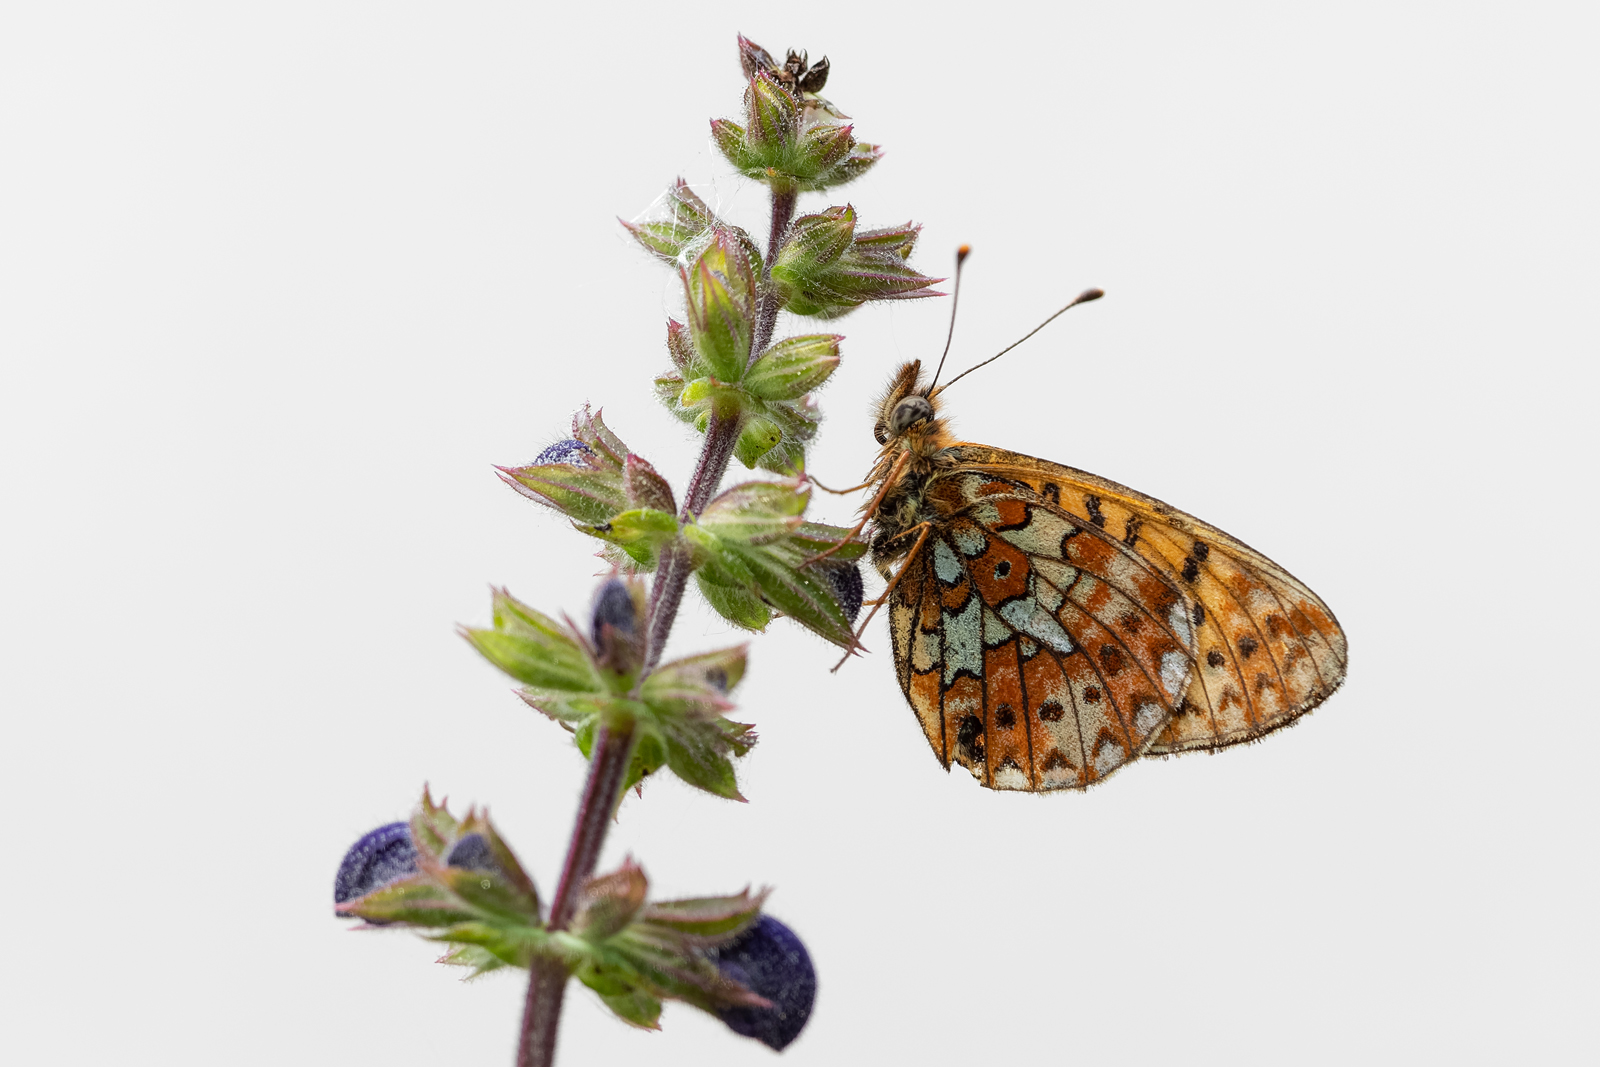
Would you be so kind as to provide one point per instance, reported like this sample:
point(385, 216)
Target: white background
point(281, 281)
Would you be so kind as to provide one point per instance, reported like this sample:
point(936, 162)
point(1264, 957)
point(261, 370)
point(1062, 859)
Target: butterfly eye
point(880, 434)
point(908, 412)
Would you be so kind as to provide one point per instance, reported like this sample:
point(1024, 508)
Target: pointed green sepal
point(534, 649)
point(756, 511)
point(734, 601)
point(708, 917)
point(752, 538)
point(772, 114)
point(588, 485)
point(608, 902)
point(683, 220)
point(793, 367)
point(644, 487)
point(817, 273)
point(720, 289)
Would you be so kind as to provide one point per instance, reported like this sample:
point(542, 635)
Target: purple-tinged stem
point(767, 311)
point(613, 747)
point(547, 982)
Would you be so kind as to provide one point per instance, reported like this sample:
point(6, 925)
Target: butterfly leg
point(839, 492)
point(866, 515)
point(925, 528)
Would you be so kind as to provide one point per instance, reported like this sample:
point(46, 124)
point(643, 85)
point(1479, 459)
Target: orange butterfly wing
point(1037, 651)
point(1267, 648)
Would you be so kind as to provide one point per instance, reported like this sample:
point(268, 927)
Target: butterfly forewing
point(1037, 651)
point(1266, 648)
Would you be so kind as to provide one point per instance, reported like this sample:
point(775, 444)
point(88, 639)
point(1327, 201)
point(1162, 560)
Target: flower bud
point(676, 228)
point(772, 114)
point(616, 625)
point(814, 276)
point(770, 961)
point(472, 852)
point(844, 578)
point(384, 855)
point(793, 367)
point(563, 452)
point(720, 288)
point(814, 242)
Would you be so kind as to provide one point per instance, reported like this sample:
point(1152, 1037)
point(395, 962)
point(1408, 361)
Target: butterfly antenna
point(955, 299)
point(1082, 298)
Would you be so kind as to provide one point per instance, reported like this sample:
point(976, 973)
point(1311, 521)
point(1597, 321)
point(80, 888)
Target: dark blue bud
point(769, 960)
point(472, 852)
point(844, 578)
point(613, 606)
point(385, 855)
point(564, 452)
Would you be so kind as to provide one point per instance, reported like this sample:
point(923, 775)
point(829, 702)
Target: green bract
point(720, 286)
point(634, 954)
point(827, 268)
point(494, 915)
point(610, 493)
point(788, 142)
point(753, 552)
point(677, 711)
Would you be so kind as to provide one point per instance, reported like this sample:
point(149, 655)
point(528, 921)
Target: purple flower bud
point(613, 606)
point(563, 452)
point(385, 855)
point(844, 578)
point(769, 960)
point(472, 852)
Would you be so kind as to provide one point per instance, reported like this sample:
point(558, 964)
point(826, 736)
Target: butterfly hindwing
point(1267, 649)
point(1037, 651)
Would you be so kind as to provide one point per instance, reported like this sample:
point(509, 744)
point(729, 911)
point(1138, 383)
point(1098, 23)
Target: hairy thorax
point(907, 504)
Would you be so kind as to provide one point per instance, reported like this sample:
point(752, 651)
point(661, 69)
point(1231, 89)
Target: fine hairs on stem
point(613, 748)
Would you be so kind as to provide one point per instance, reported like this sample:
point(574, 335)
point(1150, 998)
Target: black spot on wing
point(1092, 503)
point(969, 738)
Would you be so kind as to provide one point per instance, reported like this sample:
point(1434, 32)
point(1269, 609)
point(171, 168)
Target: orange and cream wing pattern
point(1266, 648)
point(1037, 650)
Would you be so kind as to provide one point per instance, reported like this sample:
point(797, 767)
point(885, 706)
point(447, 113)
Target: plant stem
point(767, 312)
point(547, 982)
point(613, 746)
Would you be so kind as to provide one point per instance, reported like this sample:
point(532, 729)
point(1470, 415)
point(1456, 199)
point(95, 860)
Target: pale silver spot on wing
point(1148, 718)
point(994, 631)
point(963, 649)
point(1059, 574)
point(924, 651)
point(1178, 622)
point(1110, 758)
point(970, 541)
point(1174, 673)
point(945, 563)
point(1042, 536)
point(1049, 597)
point(1010, 778)
point(1029, 616)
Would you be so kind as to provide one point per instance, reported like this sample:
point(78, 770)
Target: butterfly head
point(908, 416)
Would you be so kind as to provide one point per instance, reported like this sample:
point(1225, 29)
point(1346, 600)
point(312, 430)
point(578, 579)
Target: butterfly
point(1051, 626)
